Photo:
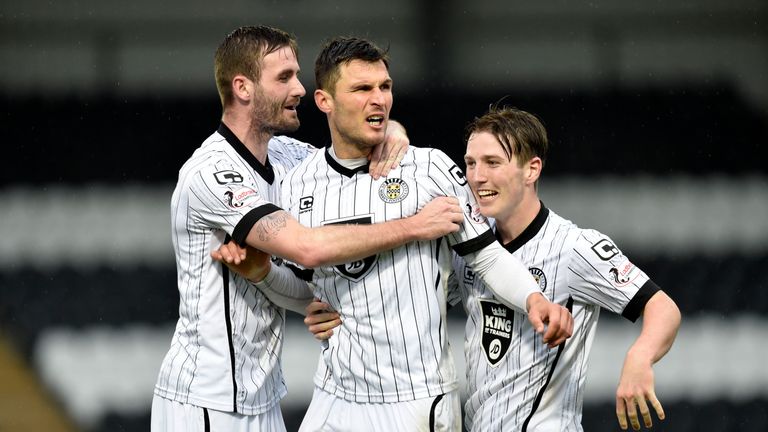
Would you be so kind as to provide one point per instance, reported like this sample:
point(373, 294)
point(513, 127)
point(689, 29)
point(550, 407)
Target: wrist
point(533, 299)
point(261, 273)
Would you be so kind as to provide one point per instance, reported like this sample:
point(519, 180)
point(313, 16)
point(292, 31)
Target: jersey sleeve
point(600, 274)
point(449, 180)
point(223, 196)
point(292, 150)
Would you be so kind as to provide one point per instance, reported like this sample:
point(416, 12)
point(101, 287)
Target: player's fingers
point(397, 158)
point(315, 306)
point(632, 413)
point(324, 335)
point(645, 413)
point(536, 322)
point(621, 413)
point(656, 405)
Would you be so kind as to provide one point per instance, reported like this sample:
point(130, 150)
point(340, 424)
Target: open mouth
point(486, 193)
point(375, 120)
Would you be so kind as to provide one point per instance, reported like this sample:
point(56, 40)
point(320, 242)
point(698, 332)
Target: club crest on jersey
point(240, 197)
point(496, 330)
point(541, 279)
point(393, 190)
point(624, 273)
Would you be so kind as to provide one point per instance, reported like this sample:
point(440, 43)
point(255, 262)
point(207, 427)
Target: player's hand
point(439, 217)
point(321, 319)
point(636, 389)
point(387, 155)
point(552, 317)
point(248, 262)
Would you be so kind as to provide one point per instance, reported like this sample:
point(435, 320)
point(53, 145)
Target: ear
point(533, 170)
point(324, 101)
point(242, 88)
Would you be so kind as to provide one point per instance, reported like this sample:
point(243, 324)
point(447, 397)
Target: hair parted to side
point(242, 52)
point(342, 50)
point(520, 133)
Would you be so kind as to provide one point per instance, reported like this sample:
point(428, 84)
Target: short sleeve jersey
point(391, 345)
point(225, 351)
point(515, 382)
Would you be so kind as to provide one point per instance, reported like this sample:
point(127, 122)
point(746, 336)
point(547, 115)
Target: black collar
point(265, 171)
point(529, 232)
point(342, 169)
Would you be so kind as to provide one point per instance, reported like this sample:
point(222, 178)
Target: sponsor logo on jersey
point(305, 204)
point(497, 330)
point(240, 197)
point(541, 279)
point(393, 190)
point(458, 175)
point(228, 176)
point(624, 273)
point(605, 249)
point(357, 270)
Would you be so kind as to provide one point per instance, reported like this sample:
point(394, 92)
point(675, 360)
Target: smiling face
point(358, 107)
point(273, 107)
point(501, 185)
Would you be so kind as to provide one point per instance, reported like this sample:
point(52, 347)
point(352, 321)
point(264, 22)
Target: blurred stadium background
point(657, 113)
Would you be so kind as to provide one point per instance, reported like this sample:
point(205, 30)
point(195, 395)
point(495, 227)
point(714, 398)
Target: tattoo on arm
point(269, 226)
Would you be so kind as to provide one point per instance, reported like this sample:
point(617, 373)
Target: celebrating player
point(222, 371)
point(513, 384)
point(389, 367)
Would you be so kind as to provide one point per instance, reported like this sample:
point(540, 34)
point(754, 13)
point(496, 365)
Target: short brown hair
point(520, 133)
point(242, 51)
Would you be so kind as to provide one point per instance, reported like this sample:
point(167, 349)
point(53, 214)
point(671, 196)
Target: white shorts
point(329, 413)
point(172, 416)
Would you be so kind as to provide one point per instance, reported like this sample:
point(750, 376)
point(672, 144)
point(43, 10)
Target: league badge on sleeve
point(240, 197)
point(497, 330)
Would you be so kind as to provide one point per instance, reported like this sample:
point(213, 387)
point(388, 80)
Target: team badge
point(541, 279)
point(393, 190)
point(356, 270)
point(497, 330)
point(240, 197)
point(624, 273)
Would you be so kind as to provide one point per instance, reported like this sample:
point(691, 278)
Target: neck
point(346, 149)
point(509, 227)
point(254, 139)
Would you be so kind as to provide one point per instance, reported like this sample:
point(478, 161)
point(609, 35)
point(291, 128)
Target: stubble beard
point(267, 117)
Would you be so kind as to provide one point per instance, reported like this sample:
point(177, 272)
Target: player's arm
point(512, 283)
point(388, 154)
point(279, 234)
point(661, 320)
point(278, 283)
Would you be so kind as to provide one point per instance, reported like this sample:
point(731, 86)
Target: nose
point(377, 97)
point(476, 174)
point(298, 89)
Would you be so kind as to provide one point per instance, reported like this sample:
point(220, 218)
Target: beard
point(269, 117)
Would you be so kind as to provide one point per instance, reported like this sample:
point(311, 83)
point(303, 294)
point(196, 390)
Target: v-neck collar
point(264, 170)
point(341, 169)
point(529, 232)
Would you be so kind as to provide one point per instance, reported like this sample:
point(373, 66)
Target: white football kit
point(225, 352)
point(391, 346)
point(516, 383)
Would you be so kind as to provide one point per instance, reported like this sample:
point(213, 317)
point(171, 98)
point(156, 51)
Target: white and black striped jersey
point(514, 382)
point(225, 352)
point(391, 345)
